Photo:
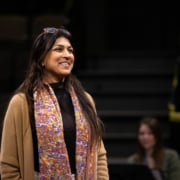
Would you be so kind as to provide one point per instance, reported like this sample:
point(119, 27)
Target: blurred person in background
point(163, 162)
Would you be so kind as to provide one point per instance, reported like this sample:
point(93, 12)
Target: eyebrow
point(61, 45)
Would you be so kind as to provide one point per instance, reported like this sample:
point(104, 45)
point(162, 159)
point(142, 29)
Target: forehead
point(62, 41)
point(144, 127)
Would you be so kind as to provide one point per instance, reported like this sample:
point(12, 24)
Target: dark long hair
point(42, 44)
point(158, 151)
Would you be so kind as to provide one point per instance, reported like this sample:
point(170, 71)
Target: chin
point(65, 74)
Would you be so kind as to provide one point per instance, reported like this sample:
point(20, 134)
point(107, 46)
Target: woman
point(51, 129)
point(163, 162)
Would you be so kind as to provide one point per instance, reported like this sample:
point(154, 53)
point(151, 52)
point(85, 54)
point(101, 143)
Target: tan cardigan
point(17, 159)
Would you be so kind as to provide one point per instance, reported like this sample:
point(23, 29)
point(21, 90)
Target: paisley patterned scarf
point(53, 155)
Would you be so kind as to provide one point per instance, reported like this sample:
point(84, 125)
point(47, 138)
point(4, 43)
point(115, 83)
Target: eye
point(141, 133)
point(58, 49)
point(71, 50)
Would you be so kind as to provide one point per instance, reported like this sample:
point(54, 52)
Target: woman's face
point(59, 61)
point(146, 137)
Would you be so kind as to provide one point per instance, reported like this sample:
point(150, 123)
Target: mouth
point(64, 64)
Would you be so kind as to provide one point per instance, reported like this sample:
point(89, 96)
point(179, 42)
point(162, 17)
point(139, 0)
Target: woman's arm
point(102, 167)
point(10, 168)
point(173, 165)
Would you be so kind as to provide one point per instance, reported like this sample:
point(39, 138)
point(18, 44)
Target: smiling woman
point(59, 61)
point(163, 162)
point(51, 129)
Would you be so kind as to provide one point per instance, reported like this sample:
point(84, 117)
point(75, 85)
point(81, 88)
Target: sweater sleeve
point(10, 168)
point(173, 163)
point(102, 167)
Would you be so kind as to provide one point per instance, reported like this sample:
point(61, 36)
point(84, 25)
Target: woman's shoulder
point(90, 98)
point(16, 107)
point(133, 158)
point(172, 163)
point(17, 99)
point(171, 153)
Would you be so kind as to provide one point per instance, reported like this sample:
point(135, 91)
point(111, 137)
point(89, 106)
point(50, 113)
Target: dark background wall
point(118, 26)
point(110, 27)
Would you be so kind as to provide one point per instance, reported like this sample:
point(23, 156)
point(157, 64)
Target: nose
point(66, 53)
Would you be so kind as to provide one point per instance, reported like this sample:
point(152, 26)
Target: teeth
point(64, 64)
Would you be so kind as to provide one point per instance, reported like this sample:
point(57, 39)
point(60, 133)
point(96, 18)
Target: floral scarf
point(53, 156)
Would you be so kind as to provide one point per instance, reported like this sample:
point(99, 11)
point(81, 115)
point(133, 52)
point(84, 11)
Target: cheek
point(153, 140)
point(140, 138)
point(73, 58)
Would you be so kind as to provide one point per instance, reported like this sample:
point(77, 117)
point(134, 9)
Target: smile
point(65, 64)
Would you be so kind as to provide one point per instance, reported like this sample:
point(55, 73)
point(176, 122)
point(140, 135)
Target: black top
point(68, 118)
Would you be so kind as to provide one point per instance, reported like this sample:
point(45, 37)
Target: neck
point(149, 152)
point(52, 80)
